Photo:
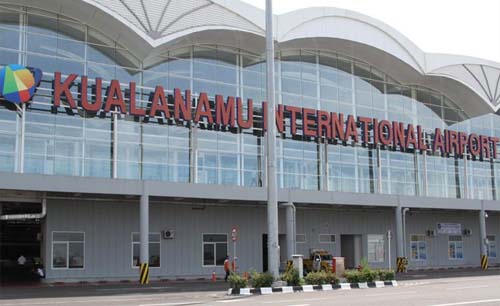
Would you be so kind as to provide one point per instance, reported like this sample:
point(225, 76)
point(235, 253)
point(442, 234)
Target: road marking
point(172, 304)
point(234, 300)
point(467, 287)
point(411, 283)
point(300, 305)
point(133, 288)
point(141, 298)
point(82, 301)
point(468, 303)
point(394, 293)
point(289, 301)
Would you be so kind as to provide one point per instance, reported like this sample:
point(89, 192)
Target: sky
point(465, 27)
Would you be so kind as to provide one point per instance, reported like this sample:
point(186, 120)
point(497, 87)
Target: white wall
point(108, 226)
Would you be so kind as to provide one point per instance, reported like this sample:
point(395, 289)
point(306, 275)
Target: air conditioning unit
point(431, 233)
point(168, 234)
point(467, 232)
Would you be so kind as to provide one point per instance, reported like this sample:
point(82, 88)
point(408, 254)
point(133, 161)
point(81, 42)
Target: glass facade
point(59, 141)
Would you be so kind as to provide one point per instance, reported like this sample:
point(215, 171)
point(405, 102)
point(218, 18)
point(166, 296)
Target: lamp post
point(272, 188)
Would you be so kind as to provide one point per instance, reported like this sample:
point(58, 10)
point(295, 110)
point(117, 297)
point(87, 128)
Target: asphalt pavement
point(448, 288)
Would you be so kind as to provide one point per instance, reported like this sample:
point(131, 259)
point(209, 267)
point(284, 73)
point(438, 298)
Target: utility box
point(298, 262)
point(338, 263)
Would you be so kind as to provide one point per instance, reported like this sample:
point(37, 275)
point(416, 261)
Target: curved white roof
point(148, 27)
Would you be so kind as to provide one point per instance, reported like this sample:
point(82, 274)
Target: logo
point(18, 83)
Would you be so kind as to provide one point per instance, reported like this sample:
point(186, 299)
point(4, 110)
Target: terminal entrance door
point(19, 237)
point(351, 249)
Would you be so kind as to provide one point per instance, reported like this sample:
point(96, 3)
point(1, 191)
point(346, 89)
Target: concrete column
point(399, 232)
point(291, 230)
point(424, 157)
point(358, 245)
point(144, 228)
point(115, 145)
point(379, 170)
point(273, 249)
point(482, 234)
point(466, 179)
point(404, 211)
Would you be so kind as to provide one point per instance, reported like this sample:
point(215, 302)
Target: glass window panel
point(253, 79)
point(8, 57)
point(42, 44)
point(221, 253)
point(76, 255)
point(214, 238)
point(300, 238)
point(328, 92)
point(66, 236)
point(208, 254)
point(229, 177)
point(101, 54)
point(226, 74)
point(51, 64)
point(179, 67)
point(136, 250)
point(59, 255)
point(326, 238)
point(290, 86)
point(70, 30)
point(204, 71)
point(154, 254)
point(42, 24)
point(154, 237)
point(136, 237)
point(8, 38)
point(9, 19)
point(309, 89)
point(376, 248)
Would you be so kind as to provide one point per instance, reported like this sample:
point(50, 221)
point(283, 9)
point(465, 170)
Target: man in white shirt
point(21, 260)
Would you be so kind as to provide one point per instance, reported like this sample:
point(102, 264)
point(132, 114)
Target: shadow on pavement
point(446, 273)
point(34, 290)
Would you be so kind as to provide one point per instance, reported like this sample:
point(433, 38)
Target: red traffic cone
point(214, 278)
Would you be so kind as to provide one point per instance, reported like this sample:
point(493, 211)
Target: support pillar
point(404, 211)
point(483, 241)
point(358, 245)
point(401, 261)
point(144, 239)
point(291, 230)
point(273, 249)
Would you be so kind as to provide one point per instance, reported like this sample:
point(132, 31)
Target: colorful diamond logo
point(18, 83)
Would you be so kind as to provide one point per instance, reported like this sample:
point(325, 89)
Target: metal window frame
point(300, 241)
point(215, 249)
point(453, 242)
point(368, 246)
point(138, 242)
point(52, 242)
point(418, 241)
point(327, 242)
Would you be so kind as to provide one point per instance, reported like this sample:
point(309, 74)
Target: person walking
point(226, 268)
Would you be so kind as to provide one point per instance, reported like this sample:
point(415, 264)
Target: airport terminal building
point(163, 102)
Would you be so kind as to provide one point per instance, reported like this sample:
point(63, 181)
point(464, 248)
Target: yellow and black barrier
point(401, 263)
point(144, 274)
point(484, 262)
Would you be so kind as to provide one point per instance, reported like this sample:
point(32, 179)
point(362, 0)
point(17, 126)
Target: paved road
point(431, 292)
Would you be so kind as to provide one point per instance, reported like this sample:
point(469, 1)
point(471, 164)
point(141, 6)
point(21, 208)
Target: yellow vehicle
point(319, 260)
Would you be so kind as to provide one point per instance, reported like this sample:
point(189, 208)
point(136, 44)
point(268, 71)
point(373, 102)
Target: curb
point(310, 288)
